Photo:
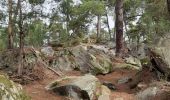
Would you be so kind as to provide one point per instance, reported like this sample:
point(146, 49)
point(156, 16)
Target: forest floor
point(36, 90)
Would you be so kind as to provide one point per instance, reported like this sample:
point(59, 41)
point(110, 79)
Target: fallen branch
point(46, 66)
point(54, 71)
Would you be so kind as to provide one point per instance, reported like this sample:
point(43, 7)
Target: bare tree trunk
point(10, 29)
point(98, 27)
point(119, 28)
point(108, 26)
point(21, 37)
point(126, 29)
point(15, 12)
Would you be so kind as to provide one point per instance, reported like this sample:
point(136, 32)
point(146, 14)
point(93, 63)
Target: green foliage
point(78, 17)
point(93, 6)
point(36, 33)
point(36, 2)
point(151, 17)
point(3, 38)
point(70, 21)
point(155, 21)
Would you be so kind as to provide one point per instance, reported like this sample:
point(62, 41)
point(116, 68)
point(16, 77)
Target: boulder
point(111, 44)
point(156, 91)
point(160, 54)
point(110, 85)
point(11, 91)
point(134, 61)
point(92, 60)
point(148, 93)
point(79, 87)
point(129, 62)
point(100, 64)
point(125, 66)
point(105, 93)
point(9, 59)
point(48, 51)
point(124, 80)
point(62, 63)
point(83, 58)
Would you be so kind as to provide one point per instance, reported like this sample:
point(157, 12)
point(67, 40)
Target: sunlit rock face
point(11, 91)
point(87, 59)
point(86, 87)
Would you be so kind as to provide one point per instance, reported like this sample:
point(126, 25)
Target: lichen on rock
point(11, 91)
point(85, 87)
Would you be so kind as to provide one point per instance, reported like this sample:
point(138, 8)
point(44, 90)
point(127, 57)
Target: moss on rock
point(11, 91)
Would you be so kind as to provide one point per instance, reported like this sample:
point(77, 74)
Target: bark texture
point(21, 37)
point(168, 5)
point(10, 29)
point(119, 27)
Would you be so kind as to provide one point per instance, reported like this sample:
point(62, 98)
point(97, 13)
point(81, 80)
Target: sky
point(50, 4)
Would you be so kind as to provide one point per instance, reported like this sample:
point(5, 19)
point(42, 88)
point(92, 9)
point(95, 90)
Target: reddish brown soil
point(122, 92)
point(37, 89)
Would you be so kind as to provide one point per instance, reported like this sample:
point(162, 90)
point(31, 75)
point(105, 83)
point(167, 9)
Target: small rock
point(105, 93)
point(155, 91)
point(109, 85)
point(47, 51)
point(148, 93)
point(134, 61)
point(141, 85)
point(124, 80)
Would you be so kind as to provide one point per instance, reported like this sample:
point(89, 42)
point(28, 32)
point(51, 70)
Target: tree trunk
point(15, 12)
point(10, 29)
point(67, 18)
point(21, 37)
point(168, 5)
point(109, 30)
point(98, 27)
point(119, 28)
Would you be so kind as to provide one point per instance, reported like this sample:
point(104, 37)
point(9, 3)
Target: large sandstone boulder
point(83, 58)
point(11, 91)
point(160, 55)
point(85, 87)
point(95, 59)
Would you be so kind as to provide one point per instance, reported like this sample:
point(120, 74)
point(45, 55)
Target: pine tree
point(119, 27)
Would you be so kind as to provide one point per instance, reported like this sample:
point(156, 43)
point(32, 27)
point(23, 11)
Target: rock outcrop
point(11, 91)
point(84, 58)
point(85, 87)
point(160, 54)
point(95, 59)
point(156, 91)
